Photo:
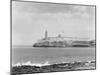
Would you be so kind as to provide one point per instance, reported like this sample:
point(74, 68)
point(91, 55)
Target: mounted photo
point(52, 37)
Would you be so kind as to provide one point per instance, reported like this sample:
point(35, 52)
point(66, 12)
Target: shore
point(29, 69)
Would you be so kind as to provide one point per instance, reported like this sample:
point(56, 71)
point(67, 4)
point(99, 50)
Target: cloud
point(36, 7)
point(30, 20)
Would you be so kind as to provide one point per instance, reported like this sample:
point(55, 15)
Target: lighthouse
point(46, 34)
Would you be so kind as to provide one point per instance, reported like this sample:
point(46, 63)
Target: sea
point(39, 56)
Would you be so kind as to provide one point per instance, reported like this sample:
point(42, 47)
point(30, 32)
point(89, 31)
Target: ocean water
point(45, 56)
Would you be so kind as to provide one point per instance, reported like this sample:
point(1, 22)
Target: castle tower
point(46, 34)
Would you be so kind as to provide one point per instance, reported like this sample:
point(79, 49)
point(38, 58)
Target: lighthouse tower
point(46, 34)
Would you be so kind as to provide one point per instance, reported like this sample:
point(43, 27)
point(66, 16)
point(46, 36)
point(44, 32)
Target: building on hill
point(60, 41)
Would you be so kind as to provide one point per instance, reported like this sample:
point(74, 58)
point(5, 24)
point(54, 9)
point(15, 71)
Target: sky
point(31, 19)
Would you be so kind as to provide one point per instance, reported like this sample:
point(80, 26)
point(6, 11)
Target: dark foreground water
point(46, 56)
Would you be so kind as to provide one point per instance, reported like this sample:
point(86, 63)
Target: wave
point(47, 63)
point(31, 64)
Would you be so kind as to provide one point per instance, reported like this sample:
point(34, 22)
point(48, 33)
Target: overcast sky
point(31, 19)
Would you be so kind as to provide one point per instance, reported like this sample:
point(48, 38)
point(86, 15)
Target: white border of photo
point(5, 37)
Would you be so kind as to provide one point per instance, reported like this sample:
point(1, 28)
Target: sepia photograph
point(52, 37)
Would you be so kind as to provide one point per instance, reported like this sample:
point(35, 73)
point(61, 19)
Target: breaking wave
point(45, 63)
point(31, 64)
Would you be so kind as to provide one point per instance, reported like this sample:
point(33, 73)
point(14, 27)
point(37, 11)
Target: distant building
point(60, 41)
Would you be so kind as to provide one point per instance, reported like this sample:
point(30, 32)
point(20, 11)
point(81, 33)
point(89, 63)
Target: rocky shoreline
point(29, 69)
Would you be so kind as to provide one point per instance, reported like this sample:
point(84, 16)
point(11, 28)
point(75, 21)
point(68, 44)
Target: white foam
point(32, 64)
point(45, 63)
point(18, 64)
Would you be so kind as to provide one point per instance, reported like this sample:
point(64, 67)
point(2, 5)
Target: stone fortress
point(60, 41)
